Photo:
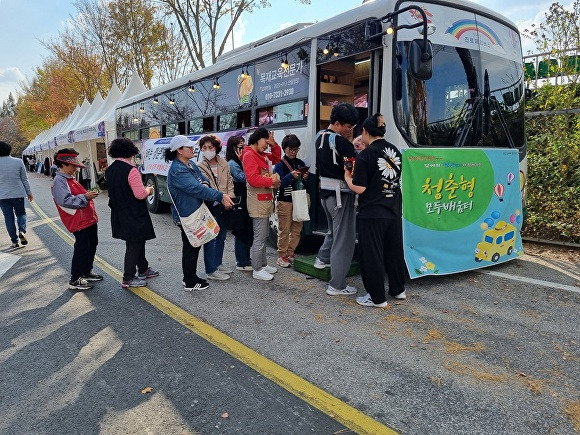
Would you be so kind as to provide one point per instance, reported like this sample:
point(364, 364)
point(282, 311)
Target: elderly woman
point(189, 188)
point(245, 234)
point(260, 180)
point(130, 220)
point(377, 180)
point(217, 171)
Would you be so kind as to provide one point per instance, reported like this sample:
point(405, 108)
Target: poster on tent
point(95, 131)
point(462, 209)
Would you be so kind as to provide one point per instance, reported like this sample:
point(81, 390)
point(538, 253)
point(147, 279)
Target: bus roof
point(299, 33)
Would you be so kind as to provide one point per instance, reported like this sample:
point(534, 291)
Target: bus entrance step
point(305, 264)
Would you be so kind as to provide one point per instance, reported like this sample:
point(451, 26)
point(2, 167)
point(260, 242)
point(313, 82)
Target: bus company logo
point(461, 31)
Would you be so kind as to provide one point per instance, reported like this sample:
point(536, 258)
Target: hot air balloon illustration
point(499, 190)
point(510, 178)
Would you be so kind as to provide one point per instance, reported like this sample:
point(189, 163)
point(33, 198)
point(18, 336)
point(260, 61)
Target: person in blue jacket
point(189, 188)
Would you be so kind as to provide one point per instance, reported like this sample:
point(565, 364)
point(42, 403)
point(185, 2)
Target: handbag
point(300, 206)
point(235, 219)
point(200, 226)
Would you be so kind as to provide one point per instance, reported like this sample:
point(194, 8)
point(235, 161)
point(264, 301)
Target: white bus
point(445, 75)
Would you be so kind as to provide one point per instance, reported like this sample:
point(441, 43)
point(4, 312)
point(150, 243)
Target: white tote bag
point(300, 206)
point(200, 226)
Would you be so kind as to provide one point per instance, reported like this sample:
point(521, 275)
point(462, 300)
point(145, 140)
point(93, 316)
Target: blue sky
point(24, 22)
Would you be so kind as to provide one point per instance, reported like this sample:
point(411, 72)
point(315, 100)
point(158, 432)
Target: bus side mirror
point(421, 59)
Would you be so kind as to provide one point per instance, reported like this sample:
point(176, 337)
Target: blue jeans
point(242, 252)
point(213, 251)
point(11, 207)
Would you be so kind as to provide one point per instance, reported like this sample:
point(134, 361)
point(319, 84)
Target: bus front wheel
point(154, 204)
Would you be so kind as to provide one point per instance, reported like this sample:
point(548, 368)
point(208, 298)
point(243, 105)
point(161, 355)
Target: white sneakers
point(225, 269)
point(348, 290)
point(283, 262)
point(319, 264)
point(262, 275)
point(401, 296)
point(218, 275)
point(270, 269)
point(366, 301)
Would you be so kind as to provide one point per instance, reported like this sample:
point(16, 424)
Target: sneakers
point(135, 282)
point(92, 277)
point(270, 269)
point(283, 262)
point(247, 268)
point(291, 258)
point(79, 284)
point(366, 301)
point(149, 273)
point(22, 238)
point(348, 290)
point(218, 275)
point(262, 274)
point(200, 285)
point(15, 245)
point(319, 264)
point(225, 269)
point(401, 296)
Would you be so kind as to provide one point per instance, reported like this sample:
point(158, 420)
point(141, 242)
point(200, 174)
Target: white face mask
point(208, 154)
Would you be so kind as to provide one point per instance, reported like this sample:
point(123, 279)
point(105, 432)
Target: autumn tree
point(199, 23)
point(8, 106)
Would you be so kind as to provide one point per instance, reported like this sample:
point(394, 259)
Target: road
point(492, 351)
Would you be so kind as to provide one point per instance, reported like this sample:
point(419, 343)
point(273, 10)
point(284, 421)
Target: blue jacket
point(189, 188)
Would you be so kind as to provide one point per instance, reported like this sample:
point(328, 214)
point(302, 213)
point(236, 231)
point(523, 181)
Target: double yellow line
point(318, 398)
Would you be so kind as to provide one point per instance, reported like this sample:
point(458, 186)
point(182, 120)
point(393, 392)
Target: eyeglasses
point(292, 150)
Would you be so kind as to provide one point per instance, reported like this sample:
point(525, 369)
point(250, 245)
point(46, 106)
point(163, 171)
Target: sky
point(26, 22)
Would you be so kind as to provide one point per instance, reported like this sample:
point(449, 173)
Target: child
point(291, 179)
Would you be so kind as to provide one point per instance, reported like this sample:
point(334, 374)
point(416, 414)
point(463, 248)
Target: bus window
point(488, 239)
point(499, 240)
point(208, 124)
point(196, 126)
point(509, 236)
point(244, 119)
point(282, 113)
point(227, 121)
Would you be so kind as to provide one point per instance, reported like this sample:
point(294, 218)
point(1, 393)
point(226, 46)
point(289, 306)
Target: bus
point(447, 77)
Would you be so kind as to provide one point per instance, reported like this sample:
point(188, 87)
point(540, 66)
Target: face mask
point(208, 154)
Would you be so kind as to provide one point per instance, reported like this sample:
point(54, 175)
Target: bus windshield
point(475, 96)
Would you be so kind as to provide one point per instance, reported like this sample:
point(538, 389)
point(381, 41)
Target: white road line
point(7, 261)
point(532, 281)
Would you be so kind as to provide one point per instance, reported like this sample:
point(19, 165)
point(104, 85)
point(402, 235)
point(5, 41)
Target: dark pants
point(380, 243)
point(134, 259)
point(189, 256)
point(11, 207)
point(85, 248)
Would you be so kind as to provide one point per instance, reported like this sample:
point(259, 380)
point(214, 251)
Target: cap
point(180, 141)
point(70, 159)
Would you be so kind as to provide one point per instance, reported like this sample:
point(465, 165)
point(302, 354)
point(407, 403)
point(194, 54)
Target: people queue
point(247, 180)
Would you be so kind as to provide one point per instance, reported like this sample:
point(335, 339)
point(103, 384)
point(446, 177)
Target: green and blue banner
point(462, 209)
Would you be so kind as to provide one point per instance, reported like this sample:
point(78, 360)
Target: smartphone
point(304, 169)
point(237, 200)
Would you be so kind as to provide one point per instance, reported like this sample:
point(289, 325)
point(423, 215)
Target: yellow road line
point(310, 393)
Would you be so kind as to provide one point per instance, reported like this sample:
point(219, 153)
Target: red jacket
point(255, 164)
point(75, 217)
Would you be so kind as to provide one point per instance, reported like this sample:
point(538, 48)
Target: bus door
point(354, 80)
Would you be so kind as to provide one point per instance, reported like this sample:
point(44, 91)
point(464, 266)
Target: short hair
point(5, 149)
point(375, 125)
point(233, 142)
point(290, 141)
point(260, 133)
point(57, 162)
point(344, 113)
point(122, 147)
point(214, 140)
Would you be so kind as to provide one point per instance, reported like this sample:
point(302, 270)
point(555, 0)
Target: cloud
point(286, 25)
point(11, 74)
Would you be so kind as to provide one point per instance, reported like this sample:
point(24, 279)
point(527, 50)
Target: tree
point(199, 22)
point(8, 106)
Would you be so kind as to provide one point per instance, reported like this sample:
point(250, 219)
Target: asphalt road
point(488, 352)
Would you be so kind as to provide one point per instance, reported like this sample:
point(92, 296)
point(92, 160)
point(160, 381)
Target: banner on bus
point(153, 151)
point(462, 209)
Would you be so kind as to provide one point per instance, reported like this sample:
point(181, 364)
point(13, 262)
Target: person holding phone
point(217, 171)
point(291, 178)
point(243, 236)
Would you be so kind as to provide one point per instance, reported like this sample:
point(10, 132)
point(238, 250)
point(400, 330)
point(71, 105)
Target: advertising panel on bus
point(462, 209)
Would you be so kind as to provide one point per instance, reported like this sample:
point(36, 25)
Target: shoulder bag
point(200, 226)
